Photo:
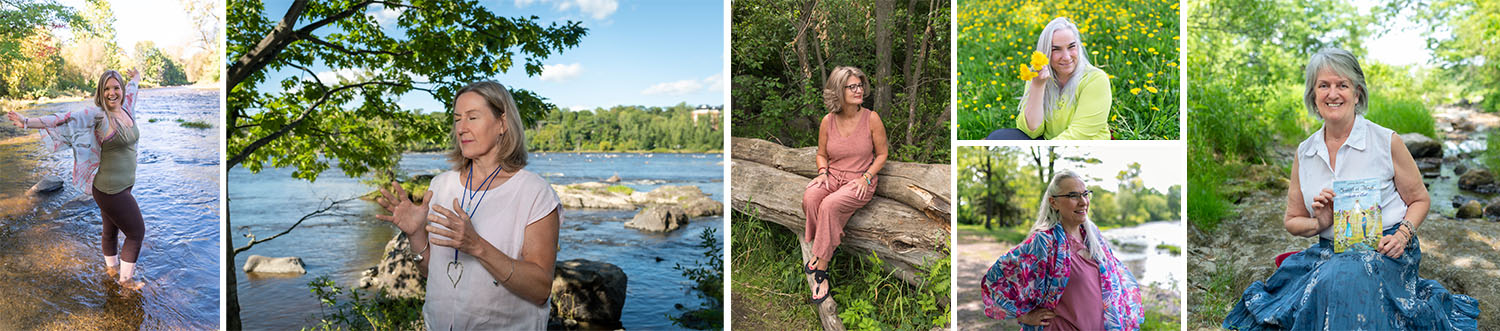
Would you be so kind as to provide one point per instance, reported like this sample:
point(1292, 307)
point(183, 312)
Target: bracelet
point(507, 276)
point(419, 257)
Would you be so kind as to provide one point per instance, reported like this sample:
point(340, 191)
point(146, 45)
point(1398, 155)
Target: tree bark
point(916, 60)
point(828, 311)
point(884, 9)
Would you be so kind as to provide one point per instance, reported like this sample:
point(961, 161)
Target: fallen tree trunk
point(921, 186)
point(904, 237)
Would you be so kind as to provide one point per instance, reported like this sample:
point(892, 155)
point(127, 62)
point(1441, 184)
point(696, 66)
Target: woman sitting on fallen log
point(851, 150)
point(1063, 276)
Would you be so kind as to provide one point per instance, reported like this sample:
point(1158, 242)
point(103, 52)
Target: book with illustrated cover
point(1356, 214)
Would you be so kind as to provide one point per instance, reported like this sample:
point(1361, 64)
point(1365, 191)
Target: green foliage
point(1490, 157)
point(31, 64)
point(621, 189)
point(1170, 248)
point(156, 67)
point(358, 310)
point(1135, 42)
point(627, 129)
point(767, 273)
point(196, 125)
point(1402, 114)
point(356, 122)
point(782, 51)
point(708, 279)
point(1462, 39)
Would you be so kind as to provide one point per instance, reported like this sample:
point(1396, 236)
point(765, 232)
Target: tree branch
point(319, 212)
point(258, 143)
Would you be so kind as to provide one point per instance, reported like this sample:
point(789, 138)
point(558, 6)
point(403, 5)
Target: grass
point(1170, 248)
point(768, 277)
point(1135, 41)
point(1001, 234)
point(1223, 289)
point(1490, 157)
point(621, 189)
point(1403, 114)
point(195, 124)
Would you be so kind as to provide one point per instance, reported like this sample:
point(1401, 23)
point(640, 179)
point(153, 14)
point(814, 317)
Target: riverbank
point(1461, 253)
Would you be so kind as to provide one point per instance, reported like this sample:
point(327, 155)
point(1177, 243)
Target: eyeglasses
point(1075, 195)
point(860, 86)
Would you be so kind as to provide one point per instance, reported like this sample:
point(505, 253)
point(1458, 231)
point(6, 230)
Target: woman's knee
point(1008, 134)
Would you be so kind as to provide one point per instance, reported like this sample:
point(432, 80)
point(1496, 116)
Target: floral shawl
point(1033, 274)
point(76, 130)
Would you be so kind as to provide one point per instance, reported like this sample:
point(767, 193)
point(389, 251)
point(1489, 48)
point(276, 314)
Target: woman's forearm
point(527, 280)
point(1416, 212)
point(1302, 226)
point(417, 243)
point(1035, 96)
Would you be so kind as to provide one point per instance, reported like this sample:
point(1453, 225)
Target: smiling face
point(111, 93)
point(1064, 53)
point(1334, 95)
point(854, 91)
point(476, 127)
point(1072, 211)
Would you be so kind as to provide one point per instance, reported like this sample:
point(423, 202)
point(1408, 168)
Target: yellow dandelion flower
point(1038, 59)
point(1136, 91)
point(1151, 88)
point(1026, 74)
point(1154, 108)
point(1148, 75)
point(1112, 118)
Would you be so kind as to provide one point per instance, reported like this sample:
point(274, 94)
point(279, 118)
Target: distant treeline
point(617, 129)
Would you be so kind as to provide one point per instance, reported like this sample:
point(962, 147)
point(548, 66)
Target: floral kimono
point(75, 130)
point(1033, 274)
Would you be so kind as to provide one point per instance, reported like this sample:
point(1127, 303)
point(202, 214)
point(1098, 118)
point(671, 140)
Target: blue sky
point(652, 53)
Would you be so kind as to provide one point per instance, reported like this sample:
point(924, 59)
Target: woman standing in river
point(103, 139)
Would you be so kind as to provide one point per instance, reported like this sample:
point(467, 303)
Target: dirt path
point(973, 257)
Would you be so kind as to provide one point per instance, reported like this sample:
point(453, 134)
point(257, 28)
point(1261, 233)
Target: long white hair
point(1065, 92)
point(1048, 217)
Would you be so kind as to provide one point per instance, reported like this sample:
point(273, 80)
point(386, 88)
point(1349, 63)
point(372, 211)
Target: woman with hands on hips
point(485, 233)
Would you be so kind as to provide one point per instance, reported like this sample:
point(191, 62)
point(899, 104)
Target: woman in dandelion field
point(1066, 97)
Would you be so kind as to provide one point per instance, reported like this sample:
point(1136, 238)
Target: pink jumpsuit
point(829, 205)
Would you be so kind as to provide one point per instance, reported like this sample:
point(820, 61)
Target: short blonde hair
point(833, 89)
point(512, 144)
point(99, 90)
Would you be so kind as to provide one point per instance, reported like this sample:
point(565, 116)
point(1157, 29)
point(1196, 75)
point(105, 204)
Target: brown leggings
point(121, 214)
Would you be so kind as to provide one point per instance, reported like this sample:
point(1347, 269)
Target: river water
point(1136, 246)
point(342, 247)
point(51, 270)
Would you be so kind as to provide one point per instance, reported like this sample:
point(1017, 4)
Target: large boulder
point(658, 218)
point(587, 295)
point(691, 198)
point(398, 274)
point(598, 195)
point(1477, 179)
point(1492, 209)
point(1471, 209)
point(1421, 146)
point(262, 264)
point(592, 195)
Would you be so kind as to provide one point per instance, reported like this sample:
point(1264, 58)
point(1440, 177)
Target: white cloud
point(597, 9)
point(715, 83)
point(385, 16)
point(333, 77)
point(561, 72)
point(687, 86)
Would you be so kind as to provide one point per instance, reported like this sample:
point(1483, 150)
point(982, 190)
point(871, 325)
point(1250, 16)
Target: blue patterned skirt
point(1317, 290)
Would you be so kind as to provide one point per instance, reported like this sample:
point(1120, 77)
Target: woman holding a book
point(1063, 276)
point(1343, 282)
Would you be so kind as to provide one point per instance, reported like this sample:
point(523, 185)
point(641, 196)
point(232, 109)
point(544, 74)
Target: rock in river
point(290, 264)
point(1421, 146)
point(397, 274)
point(658, 218)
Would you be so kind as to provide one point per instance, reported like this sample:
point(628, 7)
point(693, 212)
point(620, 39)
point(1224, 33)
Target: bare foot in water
point(130, 284)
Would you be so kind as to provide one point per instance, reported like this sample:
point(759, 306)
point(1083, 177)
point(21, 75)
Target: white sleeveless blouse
point(476, 303)
point(1366, 154)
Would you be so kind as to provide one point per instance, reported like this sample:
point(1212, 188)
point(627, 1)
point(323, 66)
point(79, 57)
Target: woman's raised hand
point(408, 216)
point(1039, 316)
point(1323, 209)
point(134, 74)
point(15, 119)
point(1042, 76)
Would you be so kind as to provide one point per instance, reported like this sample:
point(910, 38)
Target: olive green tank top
point(117, 158)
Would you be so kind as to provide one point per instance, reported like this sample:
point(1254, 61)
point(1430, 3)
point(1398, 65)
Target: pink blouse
point(1082, 305)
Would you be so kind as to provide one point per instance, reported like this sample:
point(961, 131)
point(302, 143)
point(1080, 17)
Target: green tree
point(306, 122)
point(156, 67)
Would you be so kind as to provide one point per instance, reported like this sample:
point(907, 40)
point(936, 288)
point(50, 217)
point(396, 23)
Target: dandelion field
point(1134, 41)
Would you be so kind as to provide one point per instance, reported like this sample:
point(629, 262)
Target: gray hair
point(1345, 65)
point(1048, 217)
point(1066, 92)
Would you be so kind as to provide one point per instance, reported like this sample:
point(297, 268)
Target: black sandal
point(807, 268)
point(821, 277)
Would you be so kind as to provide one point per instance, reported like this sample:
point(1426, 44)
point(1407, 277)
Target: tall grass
point(768, 273)
point(1402, 113)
